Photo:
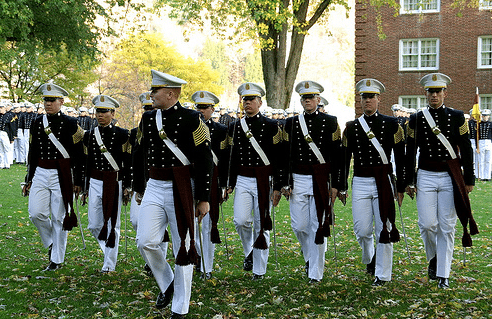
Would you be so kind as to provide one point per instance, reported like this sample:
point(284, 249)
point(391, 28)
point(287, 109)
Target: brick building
point(426, 36)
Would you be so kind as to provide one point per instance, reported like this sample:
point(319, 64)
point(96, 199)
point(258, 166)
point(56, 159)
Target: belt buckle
point(370, 135)
point(47, 130)
point(436, 130)
point(249, 134)
point(103, 149)
point(308, 138)
point(162, 134)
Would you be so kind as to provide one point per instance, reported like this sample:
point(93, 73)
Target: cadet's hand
point(342, 196)
point(468, 188)
point(400, 197)
point(83, 198)
point(334, 194)
point(77, 190)
point(26, 188)
point(411, 191)
point(286, 191)
point(225, 195)
point(127, 195)
point(276, 196)
point(202, 209)
point(138, 198)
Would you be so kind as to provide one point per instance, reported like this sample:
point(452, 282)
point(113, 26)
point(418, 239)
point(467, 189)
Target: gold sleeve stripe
point(201, 134)
point(278, 137)
point(85, 150)
point(224, 143)
point(399, 135)
point(344, 140)
point(337, 134)
point(410, 132)
point(127, 147)
point(285, 136)
point(79, 135)
point(464, 128)
point(139, 135)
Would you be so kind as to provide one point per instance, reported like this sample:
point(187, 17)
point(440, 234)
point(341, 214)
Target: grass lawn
point(78, 290)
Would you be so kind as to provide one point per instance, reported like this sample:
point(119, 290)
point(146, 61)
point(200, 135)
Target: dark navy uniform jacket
point(268, 134)
point(186, 129)
point(220, 143)
point(357, 144)
point(325, 132)
point(70, 135)
point(117, 142)
point(453, 126)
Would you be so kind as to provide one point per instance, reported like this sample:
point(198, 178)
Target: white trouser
point(134, 213)
point(26, 144)
point(304, 221)
point(475, 161)
point(247, 221)
point(4, 149)
point(18, 145)
point(437, 217)
point(45, 201)
point(10, 153)
point(96, 222)
point(156, 212)
point(208, 246)
point(483, 171)
point(365, 211)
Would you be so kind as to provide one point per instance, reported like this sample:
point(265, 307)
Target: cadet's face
point(369, 103)
point(104, 116)
point(435, 97)
point(310, 103)
point(207, 112)
point(52, 105)
point(251, 107)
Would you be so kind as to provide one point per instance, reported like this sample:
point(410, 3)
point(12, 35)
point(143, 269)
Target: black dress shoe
point(177, 315)
point(52, 266)
point(207, 276)
point(443, 283)
point(257, 277)
point(378, 282)
point(198, 265)
point(165, 298)
point(432, 269)
point(306, 268)
point(314, 281)
point(49, 251)
point(248, 262)
point(371, 267)
point(148, 271)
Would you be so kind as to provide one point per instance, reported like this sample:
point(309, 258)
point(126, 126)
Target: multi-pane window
point(419, 6)
point(485, 4)
point(484, 52)
point(486, 102)
point(419, 54)
point(412, 101)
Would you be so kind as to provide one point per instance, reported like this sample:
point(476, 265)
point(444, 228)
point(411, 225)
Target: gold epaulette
point(337, 134)
point(410, 132)
point(464, 128)
point(139, 135)
point(285, 135)
point(201, 134)
point(224, 143)
point(344, 140)
point(127, 147)
point(79, 135)
point(399, 135)
point(278, 137)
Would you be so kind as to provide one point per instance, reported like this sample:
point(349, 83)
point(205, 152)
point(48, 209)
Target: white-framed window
point(412, 101)
point(485, 101)
point(419, 6)
point(419, 54)
point(485, 5)
point(484, 58)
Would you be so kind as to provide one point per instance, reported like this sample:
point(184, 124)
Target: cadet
point(370, 139)
point(108, 178)
point(204, 103)
point(485, 147)
point(173, 146)
point(256, 150)
point(84, 120)
point(312, 147)
point(55, 159)
point(438, 132)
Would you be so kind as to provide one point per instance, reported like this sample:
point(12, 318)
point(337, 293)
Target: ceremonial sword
point(80, 220)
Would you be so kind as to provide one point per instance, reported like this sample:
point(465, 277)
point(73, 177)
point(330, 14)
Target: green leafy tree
point(127, 75)
point(271, 23)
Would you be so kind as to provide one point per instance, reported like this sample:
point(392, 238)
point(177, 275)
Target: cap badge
point(306, 85)
point(202, 95)
point(434, 77)
point(368, 83)
point(48, 87)
point(147, 97)
point(102, 98)
point(247, 86)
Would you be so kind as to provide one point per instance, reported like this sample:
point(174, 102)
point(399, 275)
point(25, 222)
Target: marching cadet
point(108, 178)
point(7, 135)
point(84, 120)
point(485, 147)
point(30, 115)
point(254, 168)
point(146, 103)
point(370, 139)
point(173, 150)
point(312, 147)
point(204, 103)
point(55, 160)
point(472, 128)
point(438, 132)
